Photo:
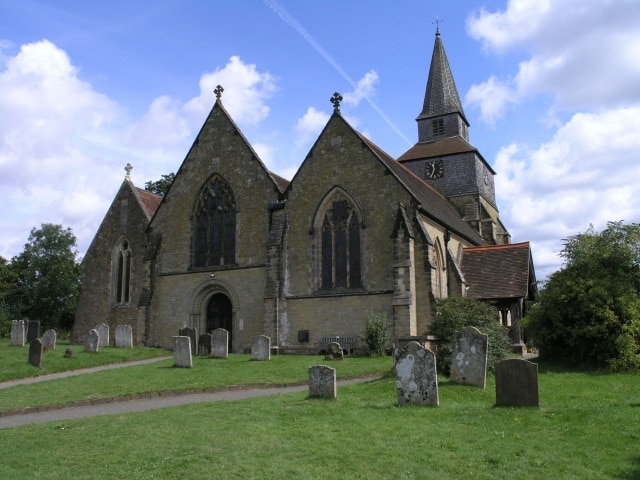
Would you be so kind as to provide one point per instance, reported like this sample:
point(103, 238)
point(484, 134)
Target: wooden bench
point(348, 344)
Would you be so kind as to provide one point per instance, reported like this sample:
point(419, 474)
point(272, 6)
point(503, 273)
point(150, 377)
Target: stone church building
point(234, 245)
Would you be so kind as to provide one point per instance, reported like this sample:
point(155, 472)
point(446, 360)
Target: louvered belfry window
point(340, 249)
point(215, 225)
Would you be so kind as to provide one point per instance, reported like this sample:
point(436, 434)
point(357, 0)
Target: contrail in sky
point(293, 23)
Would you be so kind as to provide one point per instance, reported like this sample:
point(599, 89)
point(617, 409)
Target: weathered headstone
point(17, 333)
point(322, 382)
point(204, 344)
point(49, 340)
point(103, 331)
point(182, 352)
point(416, 377)
point(192, 333)
point(124, 336)
point(469, 357)
point(334, 352)
point(93, 341)
point(261, 348)
point(220, 343)
point(33, 330)
point(35, 352)
point(68, 353)
point(517, 383)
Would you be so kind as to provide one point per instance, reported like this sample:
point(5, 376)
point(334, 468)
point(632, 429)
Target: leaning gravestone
point(103, 331)
point(261, 348)
point(192, 333)
point(33, 330)
point(416, 377)
point(517, 383)
point(182, 352)
point(17, 333)
point(93, 341)
point(334, 352)
point(220, 343)
point(204, 344)
point(35, 353)
point(49, 340)
point(124, 336)
point(469, 357)
point(322, 382)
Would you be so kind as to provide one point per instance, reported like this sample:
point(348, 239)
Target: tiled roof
point(149, 201)
point(498, 271)
point(438, 148)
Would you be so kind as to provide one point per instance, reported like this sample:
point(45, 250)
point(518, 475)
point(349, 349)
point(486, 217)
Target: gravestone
point(17, 333)
point(182, 352)
point(220, 343)
point(416, 377)
point(261, 348)
point(469, 357)
point(35, 352)
point(103, 332)
point(49, 340)
point(33, 330)
point(517, 383)
point(93, 341)
point(192, 333)
point(124, 336)
point(204, 344)
point(68, 353)
point(322, 382)
point(334, 352)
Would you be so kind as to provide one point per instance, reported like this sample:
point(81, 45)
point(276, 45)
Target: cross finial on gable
point(218, 91)
point(336, 99)
point(437, 23)
point(128, 169)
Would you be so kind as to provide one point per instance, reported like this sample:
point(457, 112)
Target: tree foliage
point(47, 278)
point(160, 187)
point(376, 333)
point(589, 311)
point(453, 315)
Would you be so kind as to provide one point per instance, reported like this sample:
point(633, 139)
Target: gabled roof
point(441, 96)
point(148, 201)
point(441, 148)
point(499, 271)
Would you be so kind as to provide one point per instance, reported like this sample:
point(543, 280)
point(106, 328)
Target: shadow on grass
point(634, 474)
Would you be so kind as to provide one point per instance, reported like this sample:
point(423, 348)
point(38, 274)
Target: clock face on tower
point(434, 169)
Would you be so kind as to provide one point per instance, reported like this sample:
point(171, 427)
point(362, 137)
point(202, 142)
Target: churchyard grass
point(585, 428)
point(14, 359)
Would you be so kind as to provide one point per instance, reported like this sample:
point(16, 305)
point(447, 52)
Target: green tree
point(8, 279)
point(589, 311)
point(160, 187)
point(453, 315)
point(376, 333)
point(48, 277)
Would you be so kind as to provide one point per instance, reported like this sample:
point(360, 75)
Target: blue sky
point(550, 90)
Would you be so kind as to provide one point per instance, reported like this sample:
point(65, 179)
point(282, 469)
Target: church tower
point(444, 158)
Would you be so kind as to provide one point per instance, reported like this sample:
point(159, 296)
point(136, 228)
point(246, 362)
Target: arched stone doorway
point(220, 315)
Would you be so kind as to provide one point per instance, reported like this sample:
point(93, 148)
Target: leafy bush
point(376, 333)
point(454, 314)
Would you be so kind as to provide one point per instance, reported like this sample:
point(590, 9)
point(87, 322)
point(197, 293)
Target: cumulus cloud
point(364, 88)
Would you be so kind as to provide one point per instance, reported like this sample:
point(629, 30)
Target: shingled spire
point(442, 114)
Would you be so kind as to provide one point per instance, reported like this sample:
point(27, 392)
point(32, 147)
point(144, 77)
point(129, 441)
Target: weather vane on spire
point(336, 99)
point(437, 24)
point(218, 91)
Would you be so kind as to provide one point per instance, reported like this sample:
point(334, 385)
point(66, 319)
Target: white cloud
point(309, 126)
point(493, 97)
point(365, 88)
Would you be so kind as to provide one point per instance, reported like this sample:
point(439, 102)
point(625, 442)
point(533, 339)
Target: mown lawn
point(587, 427)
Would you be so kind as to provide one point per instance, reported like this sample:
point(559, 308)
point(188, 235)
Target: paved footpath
point(141, 404)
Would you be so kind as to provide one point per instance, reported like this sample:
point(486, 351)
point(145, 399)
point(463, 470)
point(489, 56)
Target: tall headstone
point(204, 344)
point(322, 382)
point(17, 333)
point(261, 348)
point(416, 376)
point(49, 339)
point(103, 331)
point(35, 352)
point(124, 336)
point(192, 333)
point(93, 341)
point(33, 330)
point(517, 383)
point(182, 352)
point(469, 357)
point(220, 343)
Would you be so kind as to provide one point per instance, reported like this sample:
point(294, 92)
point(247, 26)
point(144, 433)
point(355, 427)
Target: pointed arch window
point(215, 225)
point(122, 273)
point(439, 272)
point(340, 250)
